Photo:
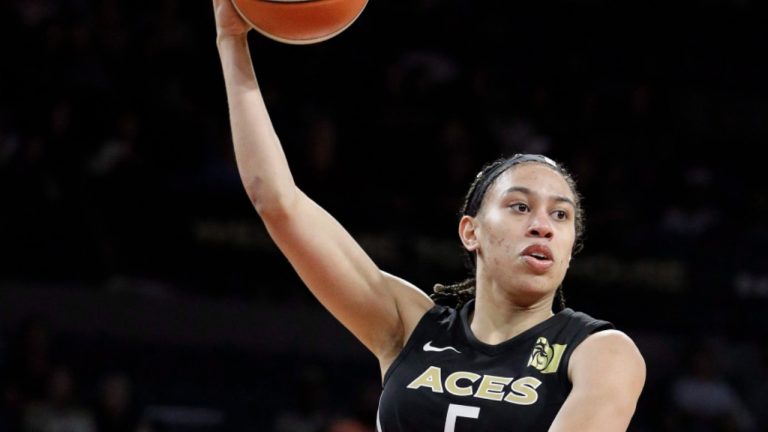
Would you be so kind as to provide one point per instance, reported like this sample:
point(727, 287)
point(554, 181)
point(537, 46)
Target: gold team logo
point(545, 358)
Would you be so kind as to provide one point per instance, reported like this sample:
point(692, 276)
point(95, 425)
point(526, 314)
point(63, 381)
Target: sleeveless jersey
point(446, 380)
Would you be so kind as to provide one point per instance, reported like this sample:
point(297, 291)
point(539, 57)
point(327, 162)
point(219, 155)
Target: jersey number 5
point(455, 411)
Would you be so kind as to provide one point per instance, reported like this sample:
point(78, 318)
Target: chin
point(529, 294)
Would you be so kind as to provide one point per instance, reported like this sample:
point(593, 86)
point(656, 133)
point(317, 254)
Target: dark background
point(134, 265)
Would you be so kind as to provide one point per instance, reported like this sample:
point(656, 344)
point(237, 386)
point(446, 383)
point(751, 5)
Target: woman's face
point(524, 233)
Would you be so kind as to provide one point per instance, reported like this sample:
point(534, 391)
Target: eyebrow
point(526, 191)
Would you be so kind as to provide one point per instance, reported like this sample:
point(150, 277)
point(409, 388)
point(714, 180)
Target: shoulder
point(608, 358)
point(608, 374)
point(609, 341)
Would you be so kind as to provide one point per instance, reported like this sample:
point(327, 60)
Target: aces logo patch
point(545, 358)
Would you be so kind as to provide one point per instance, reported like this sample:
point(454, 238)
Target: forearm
point(260, 159)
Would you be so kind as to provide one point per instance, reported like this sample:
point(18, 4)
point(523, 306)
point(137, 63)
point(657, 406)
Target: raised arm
point(379, 309)
point(608, 374)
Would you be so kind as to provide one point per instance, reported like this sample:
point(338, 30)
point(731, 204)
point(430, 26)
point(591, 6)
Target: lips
point(538, 251)
point(538, 257)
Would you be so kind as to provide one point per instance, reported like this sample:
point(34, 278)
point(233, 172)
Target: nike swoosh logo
point(428, 347)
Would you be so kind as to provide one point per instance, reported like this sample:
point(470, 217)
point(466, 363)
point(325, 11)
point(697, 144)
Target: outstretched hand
point(228, 20)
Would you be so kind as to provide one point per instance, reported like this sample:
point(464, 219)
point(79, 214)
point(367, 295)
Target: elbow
point(271, 209)
point(268, 200)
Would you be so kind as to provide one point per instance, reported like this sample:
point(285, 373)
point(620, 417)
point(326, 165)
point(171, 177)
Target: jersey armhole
point(422, 328)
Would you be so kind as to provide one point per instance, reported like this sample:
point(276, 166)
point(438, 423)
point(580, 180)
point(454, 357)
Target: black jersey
point(446, 380)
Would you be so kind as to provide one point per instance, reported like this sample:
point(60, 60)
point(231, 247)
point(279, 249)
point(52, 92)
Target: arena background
point(139, 291)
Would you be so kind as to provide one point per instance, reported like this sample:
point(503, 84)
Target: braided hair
point(457, 294)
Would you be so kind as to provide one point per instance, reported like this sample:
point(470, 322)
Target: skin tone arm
point(608, 373)
point(379, 309)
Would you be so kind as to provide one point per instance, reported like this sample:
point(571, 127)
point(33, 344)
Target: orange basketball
point(300, 21)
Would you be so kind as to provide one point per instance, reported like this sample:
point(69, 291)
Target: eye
point(560, 215)
point(519, 207)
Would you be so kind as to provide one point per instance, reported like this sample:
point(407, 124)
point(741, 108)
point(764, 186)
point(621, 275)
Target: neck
point(500, 316)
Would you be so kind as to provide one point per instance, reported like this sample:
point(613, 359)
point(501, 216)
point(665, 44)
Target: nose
point(540, 226)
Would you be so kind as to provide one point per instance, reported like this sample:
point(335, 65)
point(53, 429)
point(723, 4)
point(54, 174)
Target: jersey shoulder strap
point(575, 329)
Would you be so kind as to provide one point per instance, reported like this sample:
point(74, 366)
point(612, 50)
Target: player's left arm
point(608, 374)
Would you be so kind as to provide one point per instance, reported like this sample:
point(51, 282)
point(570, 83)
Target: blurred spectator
point(61, 410)
point(116, 409)
point(704, 401)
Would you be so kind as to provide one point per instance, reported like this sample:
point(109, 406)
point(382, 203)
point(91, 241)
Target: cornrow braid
point(560, 297)
point(454, 295)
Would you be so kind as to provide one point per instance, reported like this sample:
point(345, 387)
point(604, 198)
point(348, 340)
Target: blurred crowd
point(53, 382)
point(44, 393)
point(116, 173)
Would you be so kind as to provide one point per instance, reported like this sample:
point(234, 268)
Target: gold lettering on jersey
point(430, 378)
point(545, 357)
point(523, 391)
point(492, 387)
point(452, 383)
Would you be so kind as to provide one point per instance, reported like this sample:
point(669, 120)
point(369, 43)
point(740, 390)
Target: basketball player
point(498, 358)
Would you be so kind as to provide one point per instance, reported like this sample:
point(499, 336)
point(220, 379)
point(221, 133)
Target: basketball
point(300, 22)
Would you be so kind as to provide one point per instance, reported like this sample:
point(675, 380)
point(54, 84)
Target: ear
point(468, 231)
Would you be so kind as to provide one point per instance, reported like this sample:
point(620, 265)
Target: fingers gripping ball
point(300, 22)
